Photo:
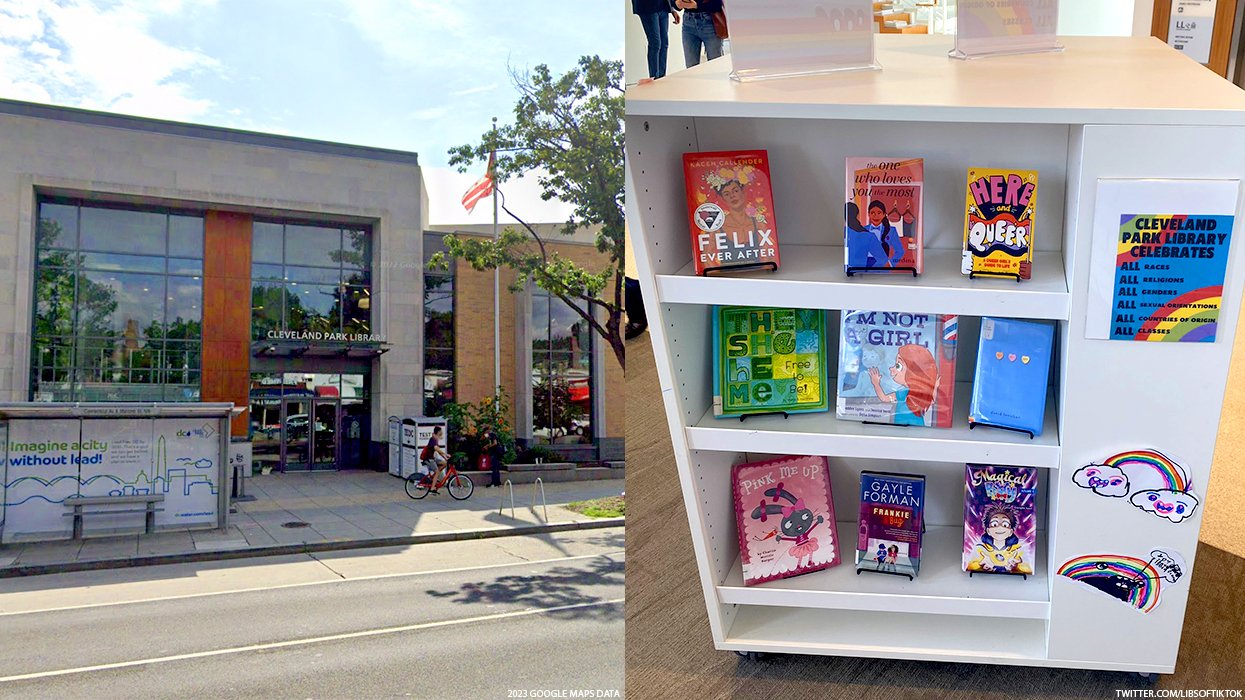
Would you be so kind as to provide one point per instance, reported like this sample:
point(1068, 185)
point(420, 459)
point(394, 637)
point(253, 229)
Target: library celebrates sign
point(1161, 274)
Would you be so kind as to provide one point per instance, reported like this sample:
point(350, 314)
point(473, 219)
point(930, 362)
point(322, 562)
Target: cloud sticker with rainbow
point(1154, 482)
point(1138, 582)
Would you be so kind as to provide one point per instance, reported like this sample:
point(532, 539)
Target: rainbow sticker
point(1134, 581)
point(1173, 474)
point(1152, 481)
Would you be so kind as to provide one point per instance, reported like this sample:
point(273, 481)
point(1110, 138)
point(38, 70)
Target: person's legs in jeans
point(713, 45)
point(691, 39)
point(653, 25)
point(663, 33)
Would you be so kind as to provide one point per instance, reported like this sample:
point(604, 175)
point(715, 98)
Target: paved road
point(511, 617)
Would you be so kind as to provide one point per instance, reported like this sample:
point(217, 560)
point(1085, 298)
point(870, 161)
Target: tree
point(568, 133)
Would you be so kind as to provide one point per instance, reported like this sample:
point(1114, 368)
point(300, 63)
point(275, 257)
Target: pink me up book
point(786, 518)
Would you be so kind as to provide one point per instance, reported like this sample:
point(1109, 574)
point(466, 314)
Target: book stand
point(1107, 108)
point(853, 270)
point(745, 416)
point(999, 573)
point(750, 267)
point(973, 424)
point(881, 571)
point(1013, 275)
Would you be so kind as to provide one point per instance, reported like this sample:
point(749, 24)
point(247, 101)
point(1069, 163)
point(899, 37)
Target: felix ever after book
point(1000, 523)
point(768, 360)
point(897, 368)
point(731, 207)
point(786, 517)
point(892, 518)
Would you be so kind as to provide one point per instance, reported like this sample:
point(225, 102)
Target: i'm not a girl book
point(999, 214)
point(769, 360)
point(897, 368)
point(1013, 364)
point(731, 207)
point(884, 219)
point(785, 513)
point(1000, 519)
point(892, 520)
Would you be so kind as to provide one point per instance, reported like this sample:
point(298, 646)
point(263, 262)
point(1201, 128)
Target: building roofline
point(201, 131)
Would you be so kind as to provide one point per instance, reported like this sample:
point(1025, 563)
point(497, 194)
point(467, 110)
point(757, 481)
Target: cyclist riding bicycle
point(434, 457)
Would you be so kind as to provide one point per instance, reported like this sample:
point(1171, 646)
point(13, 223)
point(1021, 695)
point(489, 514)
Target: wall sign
point(1160, 254)
point(1191, 28)
point(320, 337)
point(998, 27)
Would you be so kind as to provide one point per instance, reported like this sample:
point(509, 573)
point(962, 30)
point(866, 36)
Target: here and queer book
point(1013, 364)
point(999, 213)
point(785, 512)
point(892, 520)
point(884, 217)
point(731, 208)
point(1000, 519)
point(897, 368)
point(769, 360)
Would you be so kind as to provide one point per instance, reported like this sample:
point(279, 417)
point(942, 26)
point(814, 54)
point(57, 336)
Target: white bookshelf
point(1104, 108)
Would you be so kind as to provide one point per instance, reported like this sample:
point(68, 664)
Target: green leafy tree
point(568, 134)
point(553, 408)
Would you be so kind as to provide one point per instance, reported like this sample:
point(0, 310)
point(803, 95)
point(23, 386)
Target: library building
point(152, 261)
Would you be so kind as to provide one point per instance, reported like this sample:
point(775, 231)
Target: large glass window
point(438, 330)
point(310, 279)
point(561, 372)
point(118, 304)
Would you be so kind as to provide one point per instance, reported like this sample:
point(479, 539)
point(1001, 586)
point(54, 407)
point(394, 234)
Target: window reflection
point(439, 336)
point(310, 278)
point(110, 313)
point(561, 372)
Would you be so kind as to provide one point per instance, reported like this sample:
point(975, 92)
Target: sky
point(415, 75)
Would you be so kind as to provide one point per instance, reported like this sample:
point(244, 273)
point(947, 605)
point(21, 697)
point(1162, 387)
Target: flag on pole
point(482, 188)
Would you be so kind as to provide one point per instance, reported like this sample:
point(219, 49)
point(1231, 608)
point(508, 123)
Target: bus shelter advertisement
point(51, 460)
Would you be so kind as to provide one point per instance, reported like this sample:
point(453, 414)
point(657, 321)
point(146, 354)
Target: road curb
point(308, 548)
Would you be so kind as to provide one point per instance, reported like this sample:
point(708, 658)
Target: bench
point(113, 505)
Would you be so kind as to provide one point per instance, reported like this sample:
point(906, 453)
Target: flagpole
point(496, 271)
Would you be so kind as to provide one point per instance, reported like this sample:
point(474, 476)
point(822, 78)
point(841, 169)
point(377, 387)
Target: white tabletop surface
point(1096, 80)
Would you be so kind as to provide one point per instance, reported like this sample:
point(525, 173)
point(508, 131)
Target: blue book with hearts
point(1013, 365)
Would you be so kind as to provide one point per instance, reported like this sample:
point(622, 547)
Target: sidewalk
point(322, 511)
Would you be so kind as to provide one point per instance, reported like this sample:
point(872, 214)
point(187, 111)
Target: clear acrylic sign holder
point(786, 38)
point(1005, 27)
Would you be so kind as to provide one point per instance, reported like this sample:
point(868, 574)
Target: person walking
point(496, 452)
point(655, 18)
point(698, 30)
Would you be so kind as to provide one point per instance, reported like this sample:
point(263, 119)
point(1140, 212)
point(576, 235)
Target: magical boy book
point(785, 512)
point(884, 217)
point(769, 361)
point(1000, 519)
point(1013, 364)
point(892, 519)
point(999, 213)
point(731, 207)
point(897, 368)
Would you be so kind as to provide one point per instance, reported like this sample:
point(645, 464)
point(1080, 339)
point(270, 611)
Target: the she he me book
point(1013, 363)
point(892, 520)
point(1000, 519)
point(769, 360)
point(999, 213)
point(897, 368)
point(785, 512)
point(884, 219)
point(731, 207)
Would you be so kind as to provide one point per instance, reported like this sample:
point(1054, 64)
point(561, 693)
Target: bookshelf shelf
point(942, 588)
point(812, 277)
point(1105, 108)
point(823, 434)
